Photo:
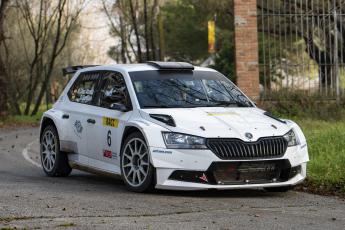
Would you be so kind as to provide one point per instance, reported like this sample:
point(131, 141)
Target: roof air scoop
point(171, 65)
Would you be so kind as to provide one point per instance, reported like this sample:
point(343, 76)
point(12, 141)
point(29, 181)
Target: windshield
point(163, 89)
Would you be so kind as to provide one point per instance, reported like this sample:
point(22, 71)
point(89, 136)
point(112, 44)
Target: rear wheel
point(279, 189)
point(54, 162)
point(137, 171)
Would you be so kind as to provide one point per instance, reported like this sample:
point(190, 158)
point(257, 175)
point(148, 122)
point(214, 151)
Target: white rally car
point(169, 125)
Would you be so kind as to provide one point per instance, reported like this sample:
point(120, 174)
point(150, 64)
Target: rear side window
point(84, 88)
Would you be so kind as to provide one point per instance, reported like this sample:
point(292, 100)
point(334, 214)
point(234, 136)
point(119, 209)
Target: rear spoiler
point(73, 69)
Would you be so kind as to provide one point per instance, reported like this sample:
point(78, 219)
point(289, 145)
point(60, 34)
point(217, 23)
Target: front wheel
point(54, 162)
point(137, 171)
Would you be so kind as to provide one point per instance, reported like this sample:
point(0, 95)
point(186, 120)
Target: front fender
point(151, 131)
point(303, 147)
point(293, 125)
point(152, 134)
point(56, 117)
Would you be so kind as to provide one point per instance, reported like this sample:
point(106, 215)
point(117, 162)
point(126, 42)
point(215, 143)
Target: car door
point(104, 138)
point(76, 111)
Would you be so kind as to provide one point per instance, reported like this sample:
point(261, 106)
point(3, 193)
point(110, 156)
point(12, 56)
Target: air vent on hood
point(167, 119)
point(274, 117)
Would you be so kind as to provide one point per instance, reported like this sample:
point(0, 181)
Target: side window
point(113, 90)
point(84, 88)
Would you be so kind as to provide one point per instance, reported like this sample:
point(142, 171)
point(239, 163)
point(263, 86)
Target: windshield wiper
point(228, 103)
point(224, 103)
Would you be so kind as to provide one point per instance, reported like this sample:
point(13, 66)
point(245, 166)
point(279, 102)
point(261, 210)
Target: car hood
point(221, 122)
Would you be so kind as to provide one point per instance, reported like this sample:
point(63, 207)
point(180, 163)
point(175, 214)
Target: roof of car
point(133, 67)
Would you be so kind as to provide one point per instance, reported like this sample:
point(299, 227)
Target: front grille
point(266, 147)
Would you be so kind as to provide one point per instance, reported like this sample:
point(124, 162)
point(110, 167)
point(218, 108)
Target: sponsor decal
point(78, 128)
point(203, 177)
point(161, 151)
point(112, 122)
point(109, 154)
point(109, 138)
point(249, 135)
point(222, 114)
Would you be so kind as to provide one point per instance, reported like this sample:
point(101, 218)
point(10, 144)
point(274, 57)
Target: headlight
point(183, 141)
point(291, 138)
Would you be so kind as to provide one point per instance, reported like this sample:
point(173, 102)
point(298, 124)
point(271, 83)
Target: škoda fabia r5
point(169, 125)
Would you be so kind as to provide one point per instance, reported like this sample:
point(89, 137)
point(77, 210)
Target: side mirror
point(119, 107)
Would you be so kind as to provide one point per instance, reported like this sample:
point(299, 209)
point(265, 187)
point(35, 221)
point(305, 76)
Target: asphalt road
point(31, 200)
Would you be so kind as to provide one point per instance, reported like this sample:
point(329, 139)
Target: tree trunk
point(47, 77)
point(3, 75)
point(322, 59)
point(3, 90)
point(146, 32)
point(52, 59)
point(161, 38)
point(123, 41)
point(136, 32)
point(153, 17)
point(63, 29)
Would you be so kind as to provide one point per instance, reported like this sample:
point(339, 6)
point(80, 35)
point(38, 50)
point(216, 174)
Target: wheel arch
point(152, 132)
point(44, 123)
point(128, 131)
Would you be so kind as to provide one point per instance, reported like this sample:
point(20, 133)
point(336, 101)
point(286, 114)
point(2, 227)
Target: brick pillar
point(246, 47)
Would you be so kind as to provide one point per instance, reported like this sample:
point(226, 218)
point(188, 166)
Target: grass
point(20, 120)
point(23, 120)
point(326, 145)
point(66, 225)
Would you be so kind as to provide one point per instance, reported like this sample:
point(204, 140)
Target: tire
point(279, 189)
point(136, 170)
point(54, 162)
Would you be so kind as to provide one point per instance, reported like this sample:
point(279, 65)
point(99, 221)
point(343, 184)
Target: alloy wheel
point(135, 162)
point(49, 149)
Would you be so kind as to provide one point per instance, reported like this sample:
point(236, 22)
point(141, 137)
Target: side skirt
point(94, 170)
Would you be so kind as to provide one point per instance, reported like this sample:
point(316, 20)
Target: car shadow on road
point(213, 193)
point(115, 184)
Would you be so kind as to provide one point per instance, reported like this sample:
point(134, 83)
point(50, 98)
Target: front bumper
point(199, 163)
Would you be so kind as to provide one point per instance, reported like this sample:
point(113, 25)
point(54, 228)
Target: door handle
point(65, 116)
point(91, 121)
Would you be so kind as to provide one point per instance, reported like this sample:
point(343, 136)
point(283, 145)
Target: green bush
point(301, 105)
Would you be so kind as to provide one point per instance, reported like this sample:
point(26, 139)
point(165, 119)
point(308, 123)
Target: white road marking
point(25, 154)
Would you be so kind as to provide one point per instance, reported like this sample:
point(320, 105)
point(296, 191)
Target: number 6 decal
point(109, 138)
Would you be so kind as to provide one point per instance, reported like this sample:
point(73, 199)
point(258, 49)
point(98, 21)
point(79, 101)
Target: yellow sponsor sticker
point(112, 122)
point(222, 114)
